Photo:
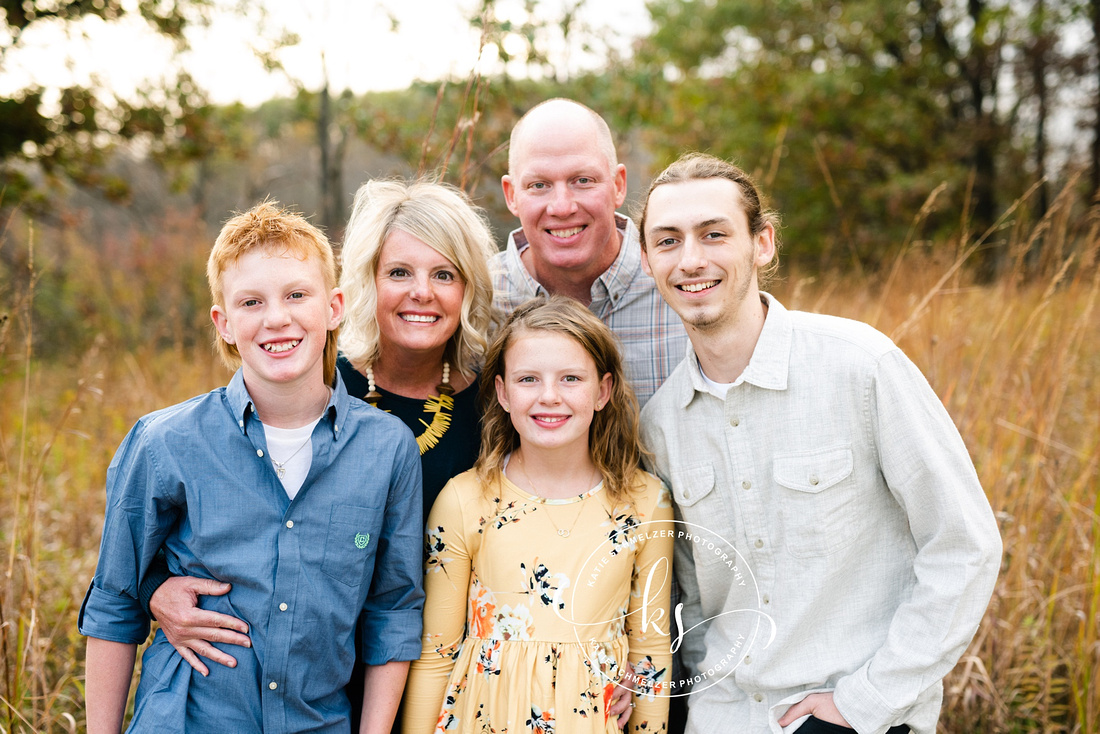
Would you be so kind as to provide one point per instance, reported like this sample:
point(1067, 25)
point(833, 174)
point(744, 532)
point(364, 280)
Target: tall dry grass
point(1015, 362)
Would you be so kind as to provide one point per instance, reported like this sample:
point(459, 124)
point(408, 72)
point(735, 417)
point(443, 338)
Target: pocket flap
point(813, 472)
point(692, 484)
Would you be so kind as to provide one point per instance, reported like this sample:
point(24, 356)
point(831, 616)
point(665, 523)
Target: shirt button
point(260, 453)
point(735, 422)
point(337, 429)
point(240, 423)
point(759, 543)
point(747, 660)
point(282, 607)
point(290, 523)
point(687, 494)
point(746, 484)
point(757, 697)
point(766, 599)
point(813, 479)
point(273, 685)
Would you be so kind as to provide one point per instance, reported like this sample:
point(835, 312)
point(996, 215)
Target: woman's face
point(419, 297)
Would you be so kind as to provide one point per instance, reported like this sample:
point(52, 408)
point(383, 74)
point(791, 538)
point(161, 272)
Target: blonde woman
point(416, 280)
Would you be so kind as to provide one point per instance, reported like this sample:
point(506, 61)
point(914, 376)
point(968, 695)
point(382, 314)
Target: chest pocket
point(818, 500)
point(350, 542)
point(692, 484)
point(703, 510)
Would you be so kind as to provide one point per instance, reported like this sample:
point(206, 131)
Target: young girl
point(550, 562)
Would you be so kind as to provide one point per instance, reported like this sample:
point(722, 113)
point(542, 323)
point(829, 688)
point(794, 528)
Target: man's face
point(565, 193)
point(701, 254)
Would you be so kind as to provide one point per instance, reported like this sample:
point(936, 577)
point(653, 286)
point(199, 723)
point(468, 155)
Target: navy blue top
point(196, 479)
point(457, 448)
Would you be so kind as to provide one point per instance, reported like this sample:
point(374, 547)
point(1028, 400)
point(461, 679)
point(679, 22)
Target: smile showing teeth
point(281, 346)
point(550, 418)
point(566, 232)
point(419, 319)
point(696, 287)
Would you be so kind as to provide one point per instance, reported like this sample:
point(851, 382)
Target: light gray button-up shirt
point(834, 470)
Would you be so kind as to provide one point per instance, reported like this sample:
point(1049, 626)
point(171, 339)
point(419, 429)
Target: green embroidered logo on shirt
point(361, 540)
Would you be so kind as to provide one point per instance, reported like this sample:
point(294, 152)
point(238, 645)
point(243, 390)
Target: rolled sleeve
point(113, 617)
point(111, 608)
point(391, 635)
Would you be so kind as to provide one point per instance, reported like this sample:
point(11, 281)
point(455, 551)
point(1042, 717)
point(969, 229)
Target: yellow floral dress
point(536, 608)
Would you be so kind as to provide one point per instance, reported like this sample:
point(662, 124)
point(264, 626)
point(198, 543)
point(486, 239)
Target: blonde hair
point(270, 228)
point(613, 436)
point(440, 216)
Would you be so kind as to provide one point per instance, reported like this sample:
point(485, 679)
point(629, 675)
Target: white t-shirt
point(717, 389)
point(291, 453)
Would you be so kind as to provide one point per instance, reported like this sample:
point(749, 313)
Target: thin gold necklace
point(562, 532)
point(441, 405)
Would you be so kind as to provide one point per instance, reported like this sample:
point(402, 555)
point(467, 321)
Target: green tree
point(70, 139)
point(854, 112)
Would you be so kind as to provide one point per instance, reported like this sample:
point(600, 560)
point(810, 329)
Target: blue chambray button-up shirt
point(196, 479)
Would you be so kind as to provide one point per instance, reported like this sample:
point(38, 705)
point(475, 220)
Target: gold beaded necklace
point(440, 405)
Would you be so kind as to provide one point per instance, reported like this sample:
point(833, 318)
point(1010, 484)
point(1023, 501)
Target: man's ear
point(509, 189)
point(645, 262)
point(765, 246)
point(619, 176)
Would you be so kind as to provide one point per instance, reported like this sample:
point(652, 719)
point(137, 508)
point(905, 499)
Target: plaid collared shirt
point(623, 297)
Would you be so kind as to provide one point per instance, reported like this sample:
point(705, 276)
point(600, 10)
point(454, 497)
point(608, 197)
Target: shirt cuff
point(861, 705)
point(392, 635)
point(105, 616)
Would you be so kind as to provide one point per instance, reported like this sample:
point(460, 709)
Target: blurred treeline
point(874, 126)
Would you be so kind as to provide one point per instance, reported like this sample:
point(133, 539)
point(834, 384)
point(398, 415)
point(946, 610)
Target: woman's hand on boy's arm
point(190, 629)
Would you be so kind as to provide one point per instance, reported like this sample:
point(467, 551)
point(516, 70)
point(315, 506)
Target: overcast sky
point(363, 49)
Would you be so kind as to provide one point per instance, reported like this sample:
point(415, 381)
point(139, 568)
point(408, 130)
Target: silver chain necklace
point(280, 466)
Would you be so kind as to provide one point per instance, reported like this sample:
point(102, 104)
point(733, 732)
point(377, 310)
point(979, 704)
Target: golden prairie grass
point(1016, 363)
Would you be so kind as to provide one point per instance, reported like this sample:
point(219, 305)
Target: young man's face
point(700, 252)
point(565, 193)
point(277, 311)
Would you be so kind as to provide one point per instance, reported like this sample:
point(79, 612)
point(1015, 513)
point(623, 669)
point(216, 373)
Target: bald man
point(564, 183)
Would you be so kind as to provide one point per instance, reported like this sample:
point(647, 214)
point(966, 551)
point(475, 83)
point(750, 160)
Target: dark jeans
point(814, 725)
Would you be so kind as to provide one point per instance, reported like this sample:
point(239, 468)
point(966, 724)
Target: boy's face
point(277, 311)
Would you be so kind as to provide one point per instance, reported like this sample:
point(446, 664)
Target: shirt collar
point(769, 366)
point(243, 410)
point(612, 283)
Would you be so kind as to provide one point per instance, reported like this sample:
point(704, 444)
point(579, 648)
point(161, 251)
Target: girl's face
point(551, 389)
